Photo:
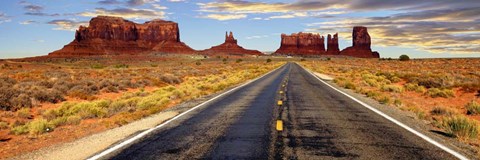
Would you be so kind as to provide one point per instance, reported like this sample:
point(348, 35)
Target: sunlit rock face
point(302, 44)
point(332, 45)
point(107, 35)
point(361, 44)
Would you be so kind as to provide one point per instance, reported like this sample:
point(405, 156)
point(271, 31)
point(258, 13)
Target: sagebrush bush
point(39, 126)
point(435, 92)
point(460, 126)
point(170, 78)
point(415, 87)
point(21, 101)
point(392, 88)
point(441, 111)
point(3, 125)
point(473, 107)
point(24, 113)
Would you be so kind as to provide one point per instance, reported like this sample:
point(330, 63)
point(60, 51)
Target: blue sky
point(419, 28)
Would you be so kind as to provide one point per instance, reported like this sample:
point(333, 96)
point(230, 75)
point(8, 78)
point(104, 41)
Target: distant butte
point(308, 44)
point(229, 47)
point(302, 44)
point(361, 44)
point(107, 35)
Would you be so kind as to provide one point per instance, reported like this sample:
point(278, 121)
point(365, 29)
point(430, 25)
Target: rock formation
point(302, 44)
point(361, 44)
point(332, 45)
point(229, 47)
point(113, 35)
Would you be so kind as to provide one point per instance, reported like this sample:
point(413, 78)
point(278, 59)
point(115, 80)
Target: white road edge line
point(428, 139)
point(146, 132)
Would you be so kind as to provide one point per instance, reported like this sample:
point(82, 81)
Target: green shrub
point(473, 108)
point(372, 82)
point(460, 126)
point(239, 60)
point(3, 125)
point(404, 58)
point(384, 100)
point(121, 66)
point(435, 92)
point(60, 121)
point(392, 88)
point(24, 113)
point(73, 120)
point(97, 66)
point(372, 94)
point(269, 60)
point(415, 87)
point(39, 126)
point(198, 63)
point(397, 103)
point(440, 111)
point(22, 129)
point(349, 85)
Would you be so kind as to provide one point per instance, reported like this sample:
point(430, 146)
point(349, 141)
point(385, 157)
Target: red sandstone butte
point(361, 44)
point(301, 44)
point(107, 35)
point(230, 47)
point(332, 45)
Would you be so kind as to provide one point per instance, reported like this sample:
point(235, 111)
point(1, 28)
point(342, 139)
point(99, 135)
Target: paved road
point(319, 123)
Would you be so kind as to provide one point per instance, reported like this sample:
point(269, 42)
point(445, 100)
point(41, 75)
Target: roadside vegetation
point(442, 91)
point(61, 95)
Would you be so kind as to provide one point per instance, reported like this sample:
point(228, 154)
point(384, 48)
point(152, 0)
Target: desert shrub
point(415, 87)
point(7, 82)
point(392, 88)
point(239, 60)
point(460, 126)
point(3, 125)
point(397, 103)
point(372, 82)
point(39, 126)
point(24, 113)
point(473, 107)
point(44, 83)
point(97, 66)
point(404, 58)
point(60, 121)
point(170, 78)
point(21, 129)
point(121, 66)
point(198, 63)
point(303, 59)
point(47, 95)
point(6, 94)
point(82, 92)
point(349, 85)
point(435, 92)
point(224, 60)
point(73, 120)
point(21, 101)
point(372, 94)
point(384, 100)
point(269, 60)
point(441, 111)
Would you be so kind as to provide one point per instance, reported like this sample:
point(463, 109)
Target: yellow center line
point(279, 125)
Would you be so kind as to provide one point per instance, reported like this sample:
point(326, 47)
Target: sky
point(418, 28)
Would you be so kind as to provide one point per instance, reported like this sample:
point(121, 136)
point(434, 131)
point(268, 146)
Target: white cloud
point(224, 17)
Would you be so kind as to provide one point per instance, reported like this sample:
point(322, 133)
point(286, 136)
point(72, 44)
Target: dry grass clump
point(461, 127)
point(436, 92)
point(473, 107)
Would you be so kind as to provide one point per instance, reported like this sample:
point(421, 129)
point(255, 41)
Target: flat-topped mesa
point(332, 45)
point(107, 35)
point(302, 44)
point(361, 44)
point(229, 47)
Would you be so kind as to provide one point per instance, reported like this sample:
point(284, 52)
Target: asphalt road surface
point(318, 123)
